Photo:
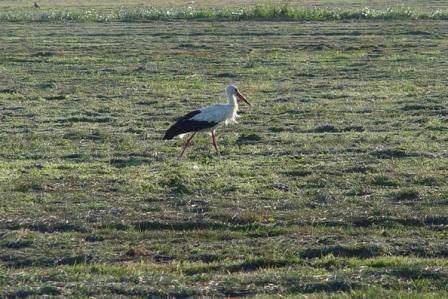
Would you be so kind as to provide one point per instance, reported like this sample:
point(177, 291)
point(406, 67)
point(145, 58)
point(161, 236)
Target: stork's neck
point(233, 102)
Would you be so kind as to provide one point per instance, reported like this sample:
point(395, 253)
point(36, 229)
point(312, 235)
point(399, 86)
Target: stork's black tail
point(185, 125)
point(172, 132)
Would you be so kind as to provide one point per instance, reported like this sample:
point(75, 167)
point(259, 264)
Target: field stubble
point(334, 180)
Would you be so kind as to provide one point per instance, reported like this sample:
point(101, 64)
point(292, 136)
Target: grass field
point(332, 184)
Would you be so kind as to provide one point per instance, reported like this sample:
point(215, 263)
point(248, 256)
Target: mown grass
point(333, 184)
point(256, 13)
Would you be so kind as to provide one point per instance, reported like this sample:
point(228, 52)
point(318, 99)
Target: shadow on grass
point(333, 129)
point(330, 286)
point(325, 129)
point(95, 136)
point(188, 225)
point(256, 264)
point(43, 261)
point(405, 195)
point(205, 258)
point(417, 273)
point(297, 173)
point(390, 221)
point(177, 185)
point(56, 98)
point(233, 292)
point(43, 54)
point(248, 139)
point(122, 163)
point(45, 227)
point(18, 244)
point(357, 169)
point(8, 90)
point(24, 292)
point(293, 285)
point(417, 107)
point(178, 225)
point(73, 260)
point(84, 119)
point(22, 261)
point(148, 292)
point(390, 153)
point(343, 251)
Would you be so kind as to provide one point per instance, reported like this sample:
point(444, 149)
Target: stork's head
point(232, 90)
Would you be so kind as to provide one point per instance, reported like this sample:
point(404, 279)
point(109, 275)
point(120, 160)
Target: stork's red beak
point(242, 98)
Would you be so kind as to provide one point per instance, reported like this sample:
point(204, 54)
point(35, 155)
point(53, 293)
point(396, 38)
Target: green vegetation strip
point(257, 13)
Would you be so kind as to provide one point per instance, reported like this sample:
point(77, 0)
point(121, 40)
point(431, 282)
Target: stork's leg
point(187, 144)
point(214, 143)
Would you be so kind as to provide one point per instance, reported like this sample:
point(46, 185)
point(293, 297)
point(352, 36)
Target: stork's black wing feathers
point(189, 115)
point(185, 125)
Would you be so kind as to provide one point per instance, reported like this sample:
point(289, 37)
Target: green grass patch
point(256, 13)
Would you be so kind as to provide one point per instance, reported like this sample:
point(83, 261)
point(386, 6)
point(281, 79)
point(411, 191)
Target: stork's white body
point(207, 119)
point(220, 113)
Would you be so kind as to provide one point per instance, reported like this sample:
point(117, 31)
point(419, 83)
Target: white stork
point(208, 118)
